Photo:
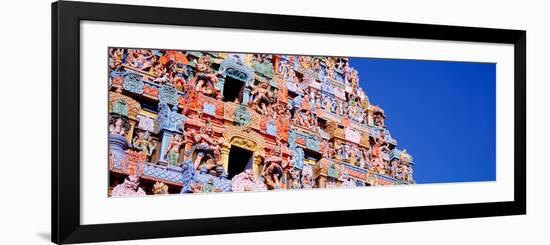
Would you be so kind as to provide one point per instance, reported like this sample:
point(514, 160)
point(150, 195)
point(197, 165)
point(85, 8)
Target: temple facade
point(189, 122)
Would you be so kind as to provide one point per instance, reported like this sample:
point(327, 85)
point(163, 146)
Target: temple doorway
point(239, 160)
point(233, 90)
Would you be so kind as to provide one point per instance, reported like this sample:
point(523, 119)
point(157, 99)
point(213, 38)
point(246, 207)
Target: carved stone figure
point(324, 148)
point(118, 125)
point(342, 151)
point(115, 58)
point(331, 68)
point(205, 81)
point(173, 150)
point(305, 61)
point(205, 147)
point(394, 168)
point(160, 188)
point(163, 79)
point(140, 58)
point(144, 142)
point(308, 180)
point(363, 163)
point(378, 116)
point(273, 171)
point(262, 97)
point(245, 182)
point(405, 162)
point(130, 187)
point(301, 118)
point(353, 78)
point(377, 158)
point(347, 181)
point(295, 178)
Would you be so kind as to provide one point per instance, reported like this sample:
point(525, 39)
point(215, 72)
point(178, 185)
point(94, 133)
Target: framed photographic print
point(176, 122)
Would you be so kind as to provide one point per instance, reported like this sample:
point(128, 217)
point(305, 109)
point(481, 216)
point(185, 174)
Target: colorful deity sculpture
point(205, 81)
point(395, 169)
point(140, 58)
point(205, 149)
point(377, 153)
point(378, 116)
point(362, 161)
point(295, 181)
point(324, 147)
point(330, 69)
point(405, 162)
point(160, 188)
point(347, 181)
point(308, 179)
point(144, 142)
point(245, 182)
point(118, 126)
point(213, 180)
point(273, 171)
point(342, 151)
point(305, 61)
point(130, 187)
point(353, 79)
point(173, 150)
point(116, 57)
point(262, 97)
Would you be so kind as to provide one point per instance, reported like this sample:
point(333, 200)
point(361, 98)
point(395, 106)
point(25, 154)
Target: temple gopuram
point(193, 122)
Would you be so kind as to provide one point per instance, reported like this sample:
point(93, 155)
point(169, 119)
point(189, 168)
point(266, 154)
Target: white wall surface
point(25, 120)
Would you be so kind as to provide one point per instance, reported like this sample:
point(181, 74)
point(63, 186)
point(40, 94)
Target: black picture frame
point(66, 18)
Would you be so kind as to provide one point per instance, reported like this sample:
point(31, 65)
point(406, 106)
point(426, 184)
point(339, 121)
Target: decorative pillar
point(370, 120)
point(246, 94)
point(225, 156)
point(186, 148)
point(221, 84)
point(257, 165)
point(170, 123)
point(130, 133)
point(321, 181)
point(165, 136)
point(118, 144)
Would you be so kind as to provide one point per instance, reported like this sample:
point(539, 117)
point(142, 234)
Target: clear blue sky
point(442, 112)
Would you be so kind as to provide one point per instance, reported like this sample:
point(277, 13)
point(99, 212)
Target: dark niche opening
point(239, 160)
point(233, 90)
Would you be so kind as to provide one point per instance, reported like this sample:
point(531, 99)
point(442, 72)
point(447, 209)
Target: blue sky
point(442, 112)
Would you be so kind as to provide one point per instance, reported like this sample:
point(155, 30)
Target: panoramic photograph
point(204, 121)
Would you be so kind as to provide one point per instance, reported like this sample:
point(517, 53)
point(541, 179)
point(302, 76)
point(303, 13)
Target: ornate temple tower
point(218, 122)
